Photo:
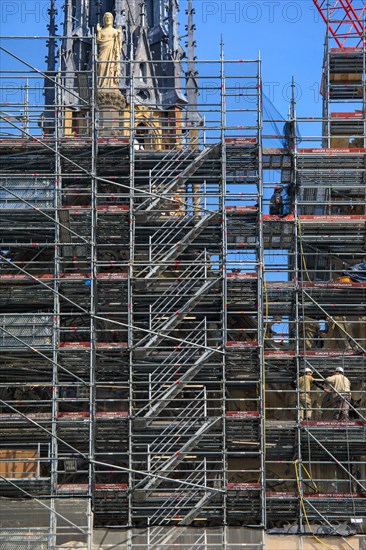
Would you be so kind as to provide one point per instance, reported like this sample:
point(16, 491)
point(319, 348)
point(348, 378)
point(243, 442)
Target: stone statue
point(109, 40)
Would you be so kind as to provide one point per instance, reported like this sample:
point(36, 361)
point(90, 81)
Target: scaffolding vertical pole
point(56, 315)
point(93, 293)
point(364, 82)
point(131, 268)
point(325, 85)
point(224, 277)
point(296, 331)
point(26, 110)
point(260, 261)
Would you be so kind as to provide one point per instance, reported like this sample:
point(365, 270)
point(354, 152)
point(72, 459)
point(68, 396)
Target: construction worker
point(276, 202)
point(339, 389)
point(305, 383)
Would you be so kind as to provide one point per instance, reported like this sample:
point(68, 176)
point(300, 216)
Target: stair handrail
point(195, 409)
point(186, 354)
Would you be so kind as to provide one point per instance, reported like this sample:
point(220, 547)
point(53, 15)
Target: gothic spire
point(49, 85)
point(191, 74)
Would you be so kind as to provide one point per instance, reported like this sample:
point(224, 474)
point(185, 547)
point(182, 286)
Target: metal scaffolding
point(157, 315)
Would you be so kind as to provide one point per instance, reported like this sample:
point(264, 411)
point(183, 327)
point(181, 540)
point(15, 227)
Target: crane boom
point(345, 20)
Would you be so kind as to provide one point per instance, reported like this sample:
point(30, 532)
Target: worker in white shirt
point(305, 384)
point(339, 388)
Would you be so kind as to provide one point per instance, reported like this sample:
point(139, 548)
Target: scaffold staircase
point(161, 329)
point(161, 538)
point(190, 425)
point(173, 285)
point(171, 239)
point(171, 175)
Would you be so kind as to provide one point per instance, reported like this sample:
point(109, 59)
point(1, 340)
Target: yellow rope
point(303, 259)
point(310, 477)
point(264, 404)
point(303, 506)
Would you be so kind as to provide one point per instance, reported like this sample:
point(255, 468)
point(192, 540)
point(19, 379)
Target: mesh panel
point(29, 330)
point(309, 199)
point(26, 193)
point(11, 540)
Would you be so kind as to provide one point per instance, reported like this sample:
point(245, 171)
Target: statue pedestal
point(109, 122)
point(110, 106)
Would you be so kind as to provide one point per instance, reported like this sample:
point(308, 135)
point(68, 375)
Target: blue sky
point(289, 36)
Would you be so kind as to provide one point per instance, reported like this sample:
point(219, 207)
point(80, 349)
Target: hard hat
point(278, 187)
point(339, 369)
point(308, 369)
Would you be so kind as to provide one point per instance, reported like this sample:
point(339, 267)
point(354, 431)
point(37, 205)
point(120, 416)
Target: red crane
point(345, 20)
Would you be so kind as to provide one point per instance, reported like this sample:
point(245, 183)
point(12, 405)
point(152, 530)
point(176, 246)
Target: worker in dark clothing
point(276, 202)
point(356, 273)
